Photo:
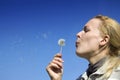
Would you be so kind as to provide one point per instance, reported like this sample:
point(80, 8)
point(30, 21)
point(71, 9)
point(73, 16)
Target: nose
point(79, 34)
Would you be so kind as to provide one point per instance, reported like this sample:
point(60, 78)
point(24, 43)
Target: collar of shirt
point(93, 68)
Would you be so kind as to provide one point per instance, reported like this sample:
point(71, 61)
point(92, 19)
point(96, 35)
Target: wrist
point(56, 79)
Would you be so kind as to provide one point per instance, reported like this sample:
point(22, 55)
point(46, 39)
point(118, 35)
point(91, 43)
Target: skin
point(55, 67)
point(88, 45)
point(89, 42)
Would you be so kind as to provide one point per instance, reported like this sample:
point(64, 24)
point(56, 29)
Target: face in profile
point(88, 39)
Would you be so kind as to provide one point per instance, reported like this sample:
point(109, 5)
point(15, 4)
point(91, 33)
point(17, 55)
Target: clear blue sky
point(29, 31)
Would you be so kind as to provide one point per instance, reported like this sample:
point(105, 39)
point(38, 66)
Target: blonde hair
point(111, 27)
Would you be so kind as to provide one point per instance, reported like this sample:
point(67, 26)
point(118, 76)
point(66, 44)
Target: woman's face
point(88, 39)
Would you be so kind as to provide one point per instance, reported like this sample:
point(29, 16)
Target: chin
point(80, 54)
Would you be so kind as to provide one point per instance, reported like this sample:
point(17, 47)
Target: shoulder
point(83, 76)
point(117, 69)
point(115, 74)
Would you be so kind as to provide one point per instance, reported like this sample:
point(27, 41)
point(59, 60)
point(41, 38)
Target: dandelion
point(61, 43)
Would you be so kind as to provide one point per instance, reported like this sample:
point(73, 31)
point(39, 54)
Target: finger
point(53, 65)
point(58, 59)
point(53, 69)
point(59, 64)
point(58, 55)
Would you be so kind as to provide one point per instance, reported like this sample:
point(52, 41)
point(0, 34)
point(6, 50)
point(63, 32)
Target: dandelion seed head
point(61, 42)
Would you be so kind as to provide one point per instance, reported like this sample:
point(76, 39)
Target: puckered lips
point(77, 43)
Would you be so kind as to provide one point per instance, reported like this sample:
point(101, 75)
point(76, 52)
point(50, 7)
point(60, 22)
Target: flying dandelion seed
point(61, 43)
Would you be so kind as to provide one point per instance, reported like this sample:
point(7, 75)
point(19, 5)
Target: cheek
point(92, 40)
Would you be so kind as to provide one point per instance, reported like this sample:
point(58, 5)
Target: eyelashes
point(85, 29)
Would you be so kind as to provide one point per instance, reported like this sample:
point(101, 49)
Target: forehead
point(93, 23)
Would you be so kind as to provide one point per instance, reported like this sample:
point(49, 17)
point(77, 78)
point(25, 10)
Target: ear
point(104, 40)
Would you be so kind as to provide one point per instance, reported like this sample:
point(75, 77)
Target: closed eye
point(86, 29)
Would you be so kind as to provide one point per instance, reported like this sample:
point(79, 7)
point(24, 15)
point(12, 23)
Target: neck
point(98, 56)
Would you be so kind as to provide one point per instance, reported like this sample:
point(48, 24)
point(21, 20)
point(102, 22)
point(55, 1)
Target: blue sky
point(29, 33)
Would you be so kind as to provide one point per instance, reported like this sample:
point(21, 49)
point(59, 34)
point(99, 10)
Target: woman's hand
point(55, 67)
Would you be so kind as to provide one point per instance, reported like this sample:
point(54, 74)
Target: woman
point(99, 43)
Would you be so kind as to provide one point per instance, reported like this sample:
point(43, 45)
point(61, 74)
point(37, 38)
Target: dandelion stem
point(60, 49)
